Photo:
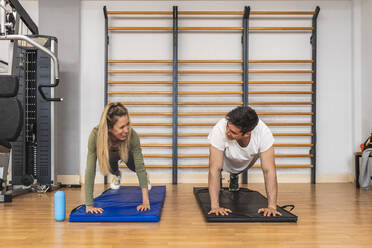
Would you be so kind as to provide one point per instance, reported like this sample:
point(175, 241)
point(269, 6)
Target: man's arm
point(215, 168)
point(271, 185)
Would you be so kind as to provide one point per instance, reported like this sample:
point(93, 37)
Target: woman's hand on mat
point(144, 206)
point(145, 201)
point(220, 211)
point(269, 212)
point(93, 210)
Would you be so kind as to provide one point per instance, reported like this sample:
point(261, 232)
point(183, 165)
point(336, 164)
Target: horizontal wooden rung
point(249, 103)
point(170, 134)
point(139, 82)
point(156, 145)
point(293, 145)
point(195, 124)
point(218, 103)
point(151, 114)
point(206, 92)
point(147, 103)
point(210, 82)
point(249, 82)
point(210, 28)
point(150, 166)
point(289, 123)
point(170, 93)
point(212, 124)
point(212, 113)
point(294, 155)
point(288, 166)
point(208, 71)
point(140, 71)
point(193, 145)
point(280, 92)
point(192, 135)
point(282, 12)
point(201, 61)
point(155, 135)
point(139, 12)
point(293, 134)
point(206, 134)
point(207, 145)
point(281, 28)
point(285, 113)
point(280, 71)
point(139, 93)
point(140, 61)
point(140, 28)
point(169, 61)
point(254, 166)
point(157, 155)
point(224, 113)
point(151, 124)
point(210, 12)
point(170, 124)
point(280, 82)
point(193, 166)
point(179, 156)
point(207, 155)
point(240, 13)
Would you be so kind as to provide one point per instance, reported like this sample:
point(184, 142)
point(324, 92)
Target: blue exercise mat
point(121, 206)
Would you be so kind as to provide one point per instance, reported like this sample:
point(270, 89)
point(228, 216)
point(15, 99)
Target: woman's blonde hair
point(112, 112)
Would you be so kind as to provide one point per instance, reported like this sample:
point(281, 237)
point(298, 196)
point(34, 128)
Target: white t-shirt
point(237, 158)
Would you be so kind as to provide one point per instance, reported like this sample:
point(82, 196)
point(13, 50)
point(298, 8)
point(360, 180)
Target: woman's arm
point(90, 173)
point(135, 149)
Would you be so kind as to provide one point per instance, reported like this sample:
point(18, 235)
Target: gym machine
point(26, 105)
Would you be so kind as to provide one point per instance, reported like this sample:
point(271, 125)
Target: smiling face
point(234, 133)
point(121, 128)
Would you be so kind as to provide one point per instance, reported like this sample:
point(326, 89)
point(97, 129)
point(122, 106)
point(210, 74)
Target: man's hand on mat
point(268, 212)
point(220, 211)
point(93, 210)
point(144, 206)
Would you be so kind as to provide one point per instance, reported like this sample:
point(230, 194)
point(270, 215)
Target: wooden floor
point(330, 215)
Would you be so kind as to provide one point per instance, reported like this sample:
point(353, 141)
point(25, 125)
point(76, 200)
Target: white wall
point(61, 19)
point(366, 73)
point(335, 50)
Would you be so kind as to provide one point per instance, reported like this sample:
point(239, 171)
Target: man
point(237, 141)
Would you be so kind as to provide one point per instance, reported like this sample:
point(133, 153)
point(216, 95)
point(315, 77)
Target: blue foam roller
point(59, 206)
point(120, 205)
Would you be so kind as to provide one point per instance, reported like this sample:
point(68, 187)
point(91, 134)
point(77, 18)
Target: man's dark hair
point(243, 117)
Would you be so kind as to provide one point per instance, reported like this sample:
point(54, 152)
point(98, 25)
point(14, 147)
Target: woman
point(111, 141)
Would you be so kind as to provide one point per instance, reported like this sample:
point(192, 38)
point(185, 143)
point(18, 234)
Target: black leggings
point(115, 157)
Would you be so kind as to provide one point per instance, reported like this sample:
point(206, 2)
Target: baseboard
point(335, 178)
point(98, 180)
point(69, 179)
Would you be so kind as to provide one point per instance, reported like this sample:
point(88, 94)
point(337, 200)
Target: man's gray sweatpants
point(365, 172)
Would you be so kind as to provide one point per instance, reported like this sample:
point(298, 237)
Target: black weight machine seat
point(11, 122)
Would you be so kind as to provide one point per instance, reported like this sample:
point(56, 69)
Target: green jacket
point(90, 171)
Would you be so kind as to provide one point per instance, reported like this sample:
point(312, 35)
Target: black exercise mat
point(243, 204)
